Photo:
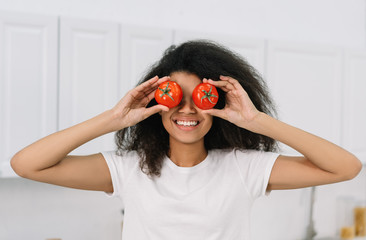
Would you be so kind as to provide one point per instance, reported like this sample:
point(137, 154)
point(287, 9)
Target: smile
point(187, 123)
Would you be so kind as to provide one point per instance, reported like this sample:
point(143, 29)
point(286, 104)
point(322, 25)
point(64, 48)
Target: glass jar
point(359, 214)
point(345, 217)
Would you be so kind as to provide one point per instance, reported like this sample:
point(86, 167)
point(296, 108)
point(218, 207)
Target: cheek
point(209, 121)
point(165, 118)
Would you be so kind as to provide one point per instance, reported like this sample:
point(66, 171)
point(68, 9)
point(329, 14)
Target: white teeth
point(187, 123)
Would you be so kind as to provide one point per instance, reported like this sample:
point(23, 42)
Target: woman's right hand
point(131, 109)
point(47, 159)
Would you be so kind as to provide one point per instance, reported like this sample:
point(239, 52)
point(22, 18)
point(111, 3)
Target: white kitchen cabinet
point(253, 50)
point(28, 82)
point(354, 115)
point(306, 84)
point(88, 75)
point(140, 48)
point(57, 72)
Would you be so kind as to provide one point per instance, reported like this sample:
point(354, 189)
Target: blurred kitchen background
point(63, 61)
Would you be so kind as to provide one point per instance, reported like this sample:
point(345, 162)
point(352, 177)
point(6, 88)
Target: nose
point(187, 106)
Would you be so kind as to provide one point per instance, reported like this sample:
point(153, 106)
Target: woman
point(187, 173)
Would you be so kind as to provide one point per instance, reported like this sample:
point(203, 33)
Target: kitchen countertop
point(337, 238)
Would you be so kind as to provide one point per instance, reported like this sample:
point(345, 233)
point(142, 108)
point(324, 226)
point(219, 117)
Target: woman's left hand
point(239, 109)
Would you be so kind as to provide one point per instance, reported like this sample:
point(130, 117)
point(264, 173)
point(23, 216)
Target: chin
point(186, 140)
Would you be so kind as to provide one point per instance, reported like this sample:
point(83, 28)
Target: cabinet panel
point(140, 48)
point(28, 82)
point(253, 50)
point(354, 117)
point(305, 82)
point(88, 75)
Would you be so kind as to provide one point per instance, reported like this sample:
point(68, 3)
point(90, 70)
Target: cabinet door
point(305, 82)
point(88, 75)
point(28, 82)
point(253, 50)
point(140, 48)
point(354, 117)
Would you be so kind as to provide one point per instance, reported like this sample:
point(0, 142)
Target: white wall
point(40, 211)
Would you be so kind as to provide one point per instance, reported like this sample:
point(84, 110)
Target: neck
point(187, 155)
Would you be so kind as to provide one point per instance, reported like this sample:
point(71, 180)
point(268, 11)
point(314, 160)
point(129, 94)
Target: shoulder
point(245, 158)
point(252, 154)
point(126, 158)
point(244, 154)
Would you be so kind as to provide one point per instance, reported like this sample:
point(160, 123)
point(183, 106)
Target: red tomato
point(205, 96)
point(169, 94)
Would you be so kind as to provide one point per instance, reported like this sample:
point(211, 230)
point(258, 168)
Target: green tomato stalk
point(166, 92)
point(208, 95)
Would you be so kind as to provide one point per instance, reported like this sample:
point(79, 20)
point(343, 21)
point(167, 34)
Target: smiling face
point(185, 123)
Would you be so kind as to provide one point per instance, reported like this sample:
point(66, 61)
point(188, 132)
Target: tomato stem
point(208, 95)
point(166, 92)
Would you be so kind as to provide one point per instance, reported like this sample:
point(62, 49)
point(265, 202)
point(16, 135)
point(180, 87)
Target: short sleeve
point(119, 167)
point(255, 168)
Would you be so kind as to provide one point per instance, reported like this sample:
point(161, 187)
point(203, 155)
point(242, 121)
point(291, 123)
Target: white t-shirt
point(211, 200)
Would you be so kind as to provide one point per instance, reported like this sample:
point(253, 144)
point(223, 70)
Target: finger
point(222, 77)
point(141, 99)
point(224, 85)
point(143, 90)
point(150, 97)
point(155, 109)
point(147, 83)
point(152, 84)
point(215, 112)
point(163, 79)
point(231, 80)
point(205, 80)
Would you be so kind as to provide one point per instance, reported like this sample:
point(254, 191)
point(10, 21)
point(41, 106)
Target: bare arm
point(322, 162)
point(47, 160)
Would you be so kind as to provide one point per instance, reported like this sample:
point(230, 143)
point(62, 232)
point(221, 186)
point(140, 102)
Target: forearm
point(51, 149)
point(322, 153)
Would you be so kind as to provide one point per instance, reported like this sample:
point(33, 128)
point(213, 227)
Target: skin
point(186, 143)
point(47, 160)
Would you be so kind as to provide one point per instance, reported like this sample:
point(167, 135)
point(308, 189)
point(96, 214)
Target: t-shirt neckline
point(194, 168)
